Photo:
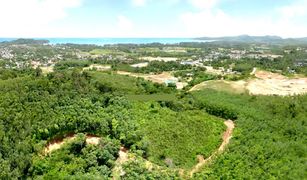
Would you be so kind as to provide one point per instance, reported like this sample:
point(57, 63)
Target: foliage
point(161, 66)
point(137, 169)
point(36, 109)
point(178, 137)
point(77, 158)
point(269, 140)
point(64, 65)
point(109, 82)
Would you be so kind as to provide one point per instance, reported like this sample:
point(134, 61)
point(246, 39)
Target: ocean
point(105, 41)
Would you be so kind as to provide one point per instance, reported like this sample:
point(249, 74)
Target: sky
point(152, 18)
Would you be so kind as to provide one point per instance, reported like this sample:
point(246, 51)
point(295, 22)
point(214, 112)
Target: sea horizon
point(112, 41)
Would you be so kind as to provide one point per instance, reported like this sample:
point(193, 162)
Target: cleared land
point(221, 85)
point(275, 84)
point(163, 78)
point(265, 83)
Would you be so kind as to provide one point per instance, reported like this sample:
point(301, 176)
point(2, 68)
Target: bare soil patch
point(59, 142)
point(265, 83)
point(268, 83)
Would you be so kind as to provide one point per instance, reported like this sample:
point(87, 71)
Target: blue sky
point(152, 18)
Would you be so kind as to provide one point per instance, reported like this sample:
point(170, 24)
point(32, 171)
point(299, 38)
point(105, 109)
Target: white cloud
point(139, 3)
point(142, 3)
point(209, 20)
point(124, 23)
point(296, 9)
point(29, 17)
point(204, 4)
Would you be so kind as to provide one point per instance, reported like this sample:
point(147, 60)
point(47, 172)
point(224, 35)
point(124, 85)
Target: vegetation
point(108, 82)
point(269, 140)
point(175, 145)
point(76, 160)
point(64, 65)
point(161, 128)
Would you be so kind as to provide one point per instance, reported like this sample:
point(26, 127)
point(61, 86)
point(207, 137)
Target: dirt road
point(226, 137)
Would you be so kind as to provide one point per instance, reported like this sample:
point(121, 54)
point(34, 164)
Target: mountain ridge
point(255, 39)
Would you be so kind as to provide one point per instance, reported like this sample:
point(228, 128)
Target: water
point(104, 41)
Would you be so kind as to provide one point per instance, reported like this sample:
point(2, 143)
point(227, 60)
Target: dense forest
point(269, 139)
point(36, 109)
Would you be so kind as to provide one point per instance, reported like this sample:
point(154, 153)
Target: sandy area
point(162, 78)
point(268, 83)
point(58, 143)
point(265, 83)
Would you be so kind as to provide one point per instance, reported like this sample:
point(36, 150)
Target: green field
point(225, 86)
point(110, 82)
point(105, 52)
point(178, 137)
point(101, 51)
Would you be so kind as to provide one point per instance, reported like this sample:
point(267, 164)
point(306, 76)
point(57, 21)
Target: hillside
point(69, 113)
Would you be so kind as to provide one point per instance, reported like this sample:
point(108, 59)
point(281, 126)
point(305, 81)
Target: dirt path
point(123, 157)
point(58, 143)
point(118, 171)
point(254, 71)
point(226, 137)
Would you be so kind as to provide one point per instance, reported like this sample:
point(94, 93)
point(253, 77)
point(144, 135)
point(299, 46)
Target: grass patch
point(105, 51)
point(101, 51)
point(114, 82)
point(124, 67)
point(236, 87)
point(111, 82)
point(176, 138)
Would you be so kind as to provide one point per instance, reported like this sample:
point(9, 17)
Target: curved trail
point(123, 155)
point(123, 152)
point(226, 137)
